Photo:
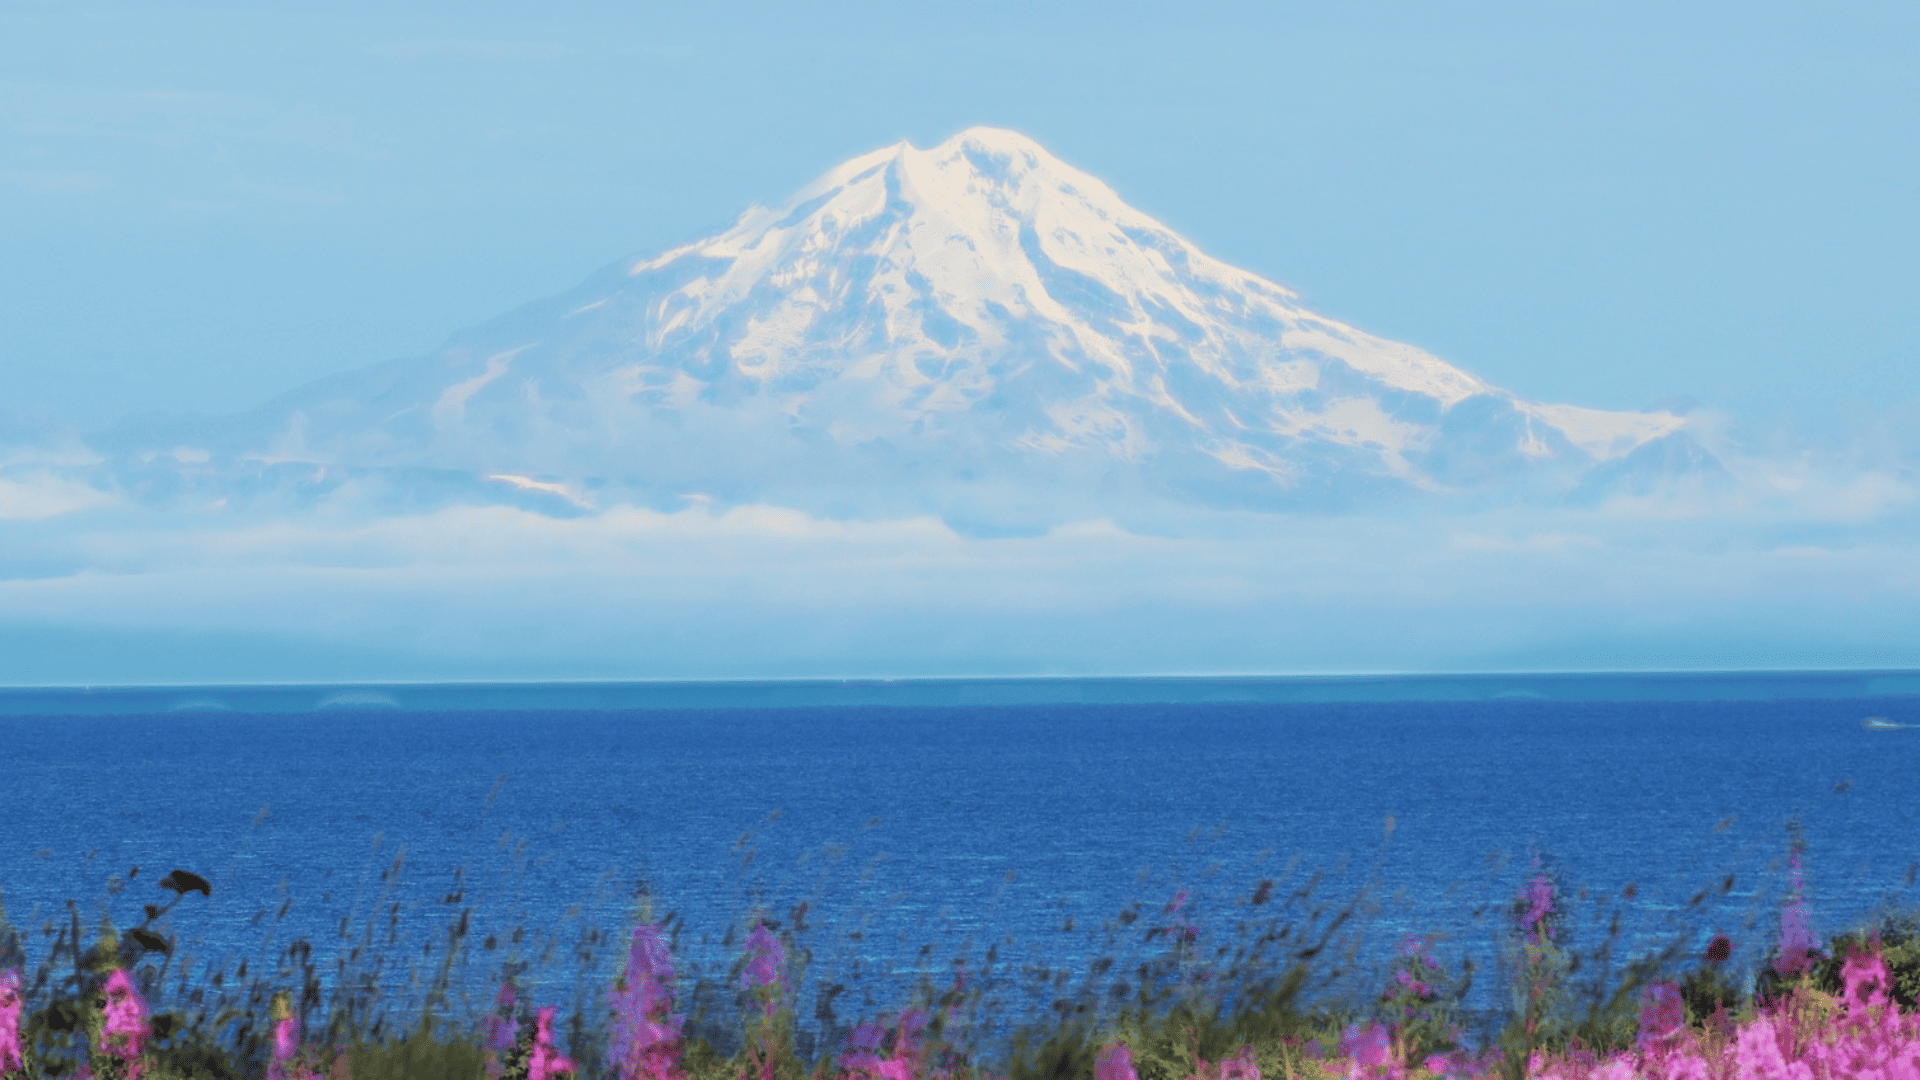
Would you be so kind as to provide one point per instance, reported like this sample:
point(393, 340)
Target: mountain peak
point(974, 311)
point(994, 139)
point(1002, 154)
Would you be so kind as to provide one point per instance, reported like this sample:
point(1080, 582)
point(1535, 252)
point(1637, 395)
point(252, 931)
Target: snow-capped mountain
point(973, 326)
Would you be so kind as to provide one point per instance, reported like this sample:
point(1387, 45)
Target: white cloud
point(496, 592)
point(32, 497)
point(1795, 561)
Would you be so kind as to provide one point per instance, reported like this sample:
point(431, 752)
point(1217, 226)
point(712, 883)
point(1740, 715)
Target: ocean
point(990, 830)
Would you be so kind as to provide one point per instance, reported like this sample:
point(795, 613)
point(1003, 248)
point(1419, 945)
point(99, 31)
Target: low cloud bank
point(1793, 567)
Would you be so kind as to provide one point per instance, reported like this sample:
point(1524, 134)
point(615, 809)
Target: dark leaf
point(63, 1016)
point(151, 941)
point(184, 882)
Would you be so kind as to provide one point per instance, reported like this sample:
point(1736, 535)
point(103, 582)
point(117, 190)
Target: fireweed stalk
point(286, 1043)
point(1798, 947)
point(1115, 1063)
point(501, 1031)
point(1418, 1004)
point(545, 1061)
point(522, 1052)
point(1801, 1033)
point(1370, 1049)
point(1541, 967)
point(861, 1055)
point(1798, 1034)
point(1804, 1035)
point(1183, 937)
point(647, 1038)
point(123, 1029)
point(13, 1057)
point(769, 1031)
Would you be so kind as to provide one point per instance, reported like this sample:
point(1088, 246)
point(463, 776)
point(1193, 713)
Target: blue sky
point(1610, 204)
point(1616, 205)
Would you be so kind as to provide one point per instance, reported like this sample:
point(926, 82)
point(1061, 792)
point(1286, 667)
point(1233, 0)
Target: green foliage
point(1064, 1054)
point(1421, 1001)
point(1181, 1041)
point(1538, 966)
point(1179, 1017)
point(769, 1053)
point(1610, 1023)
point(1709, 988)
point(700, 1061)
point(1899, 942)
point(421, 1055)
point(194, 1056)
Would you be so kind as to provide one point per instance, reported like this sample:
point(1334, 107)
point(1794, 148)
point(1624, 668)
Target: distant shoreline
point(964, 691)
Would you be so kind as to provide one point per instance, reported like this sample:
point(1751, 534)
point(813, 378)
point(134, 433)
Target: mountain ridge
point(918, 328)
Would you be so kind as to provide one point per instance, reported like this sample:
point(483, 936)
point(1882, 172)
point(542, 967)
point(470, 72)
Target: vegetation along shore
point(1172, 999)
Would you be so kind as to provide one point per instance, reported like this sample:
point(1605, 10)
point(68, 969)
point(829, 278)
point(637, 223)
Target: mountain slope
point(975, 325)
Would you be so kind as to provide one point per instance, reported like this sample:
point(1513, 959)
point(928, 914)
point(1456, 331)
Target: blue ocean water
point(927, 822)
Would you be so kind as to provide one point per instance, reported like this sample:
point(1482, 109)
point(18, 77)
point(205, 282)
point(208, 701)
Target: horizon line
point(874, 679)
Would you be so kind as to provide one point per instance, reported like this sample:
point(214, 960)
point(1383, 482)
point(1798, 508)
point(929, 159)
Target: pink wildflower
point(1180, 930)
point(1241, 1067)
point(1420, 949)
point(649, 957)
point(863, 1054)
point(1460, 1063)
point(863, 1046)
point(1367, 1047)
point(1663, 1014)
point(1797, 943)
point(286, 1043)
point(1758, 1051)
point(904, 1048)
point(763, 969)
point(501, 1031)
point(1405, 981)
point(546, 1060)
point(1867, 980)
point(1680, 1066)
point(1115, 1063)
point(12, 1055)
point(126, 1021)
point(500, 1026)
point(647, 1045)
point(1586, 1066)
point(1540, 896)
point(286, 1039)
point(959, 989)
point(763, 965)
